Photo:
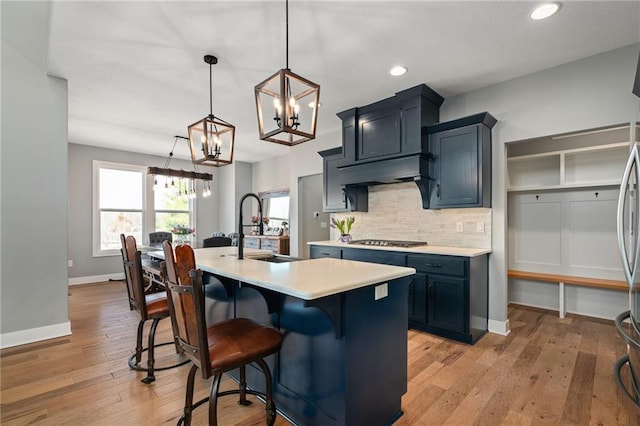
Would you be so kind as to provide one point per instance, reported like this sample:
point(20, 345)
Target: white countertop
point(306, 279)
point(427, 249)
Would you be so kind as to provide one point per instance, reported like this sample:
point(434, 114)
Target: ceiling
point(137, 77)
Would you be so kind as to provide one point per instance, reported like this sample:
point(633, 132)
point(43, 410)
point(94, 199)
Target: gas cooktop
point(389, 243)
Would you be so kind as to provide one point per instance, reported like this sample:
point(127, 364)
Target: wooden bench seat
point(563, 280)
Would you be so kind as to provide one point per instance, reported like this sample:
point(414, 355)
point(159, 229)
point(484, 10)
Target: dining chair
point(150, 306)
point(216, 242)
point(219, 348)
point(156, 238)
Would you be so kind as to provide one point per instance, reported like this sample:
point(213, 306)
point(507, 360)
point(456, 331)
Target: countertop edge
point(427, 249)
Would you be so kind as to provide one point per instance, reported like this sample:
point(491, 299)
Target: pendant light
point(211, 139)
point(287, 104)
point(192, 177)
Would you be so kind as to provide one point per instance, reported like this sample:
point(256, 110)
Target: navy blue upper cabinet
point(379, 134)
point(389, 128)
point(335, 196)
point(461, 162)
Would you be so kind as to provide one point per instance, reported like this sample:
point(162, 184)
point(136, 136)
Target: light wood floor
point(547, 370)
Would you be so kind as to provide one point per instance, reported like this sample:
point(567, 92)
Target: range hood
point(387, 142)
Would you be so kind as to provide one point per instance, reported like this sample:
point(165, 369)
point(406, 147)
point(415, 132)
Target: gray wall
point(235, 180)
point(33, 253)
point(589, 93)
point(80, 205)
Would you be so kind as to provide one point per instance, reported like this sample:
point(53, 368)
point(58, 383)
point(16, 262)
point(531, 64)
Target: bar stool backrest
point(134, 277)
point(187, 296)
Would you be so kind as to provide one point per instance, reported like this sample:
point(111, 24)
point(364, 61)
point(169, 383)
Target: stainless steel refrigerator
point(627, 368)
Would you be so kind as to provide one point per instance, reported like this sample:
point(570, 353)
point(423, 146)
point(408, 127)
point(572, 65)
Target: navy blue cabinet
point(448, 295)
point(461, 169)
point(456, 298)
point(316, 252)
point(417, 297)
point(335, 196)
point(375, 256)
point(389, 128)
point(379, 134)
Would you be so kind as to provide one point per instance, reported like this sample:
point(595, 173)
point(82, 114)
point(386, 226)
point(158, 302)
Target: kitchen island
point(344, 355)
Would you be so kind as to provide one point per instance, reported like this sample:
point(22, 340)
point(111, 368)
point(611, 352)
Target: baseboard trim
point(499, 327)
point(22, 337)
point(96, 278)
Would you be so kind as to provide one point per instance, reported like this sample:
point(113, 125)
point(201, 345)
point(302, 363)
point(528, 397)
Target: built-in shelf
point(587, 167)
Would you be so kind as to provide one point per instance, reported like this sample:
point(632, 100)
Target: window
point(275, 206)
point(171, 208)
point(125, 203)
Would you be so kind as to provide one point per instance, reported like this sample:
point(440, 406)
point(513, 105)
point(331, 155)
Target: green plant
point(343, 225)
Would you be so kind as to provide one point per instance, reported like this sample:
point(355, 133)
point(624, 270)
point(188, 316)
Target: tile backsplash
point(396, 213)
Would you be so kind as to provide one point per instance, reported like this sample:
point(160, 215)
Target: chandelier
point(184, 182)
point(287, 104)
point(211, 139)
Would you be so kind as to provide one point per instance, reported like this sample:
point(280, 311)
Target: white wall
point(271, 175)
point(593, 92)
point(33, 211)
point(235, 181)
point(303, 161)
point(87, 268)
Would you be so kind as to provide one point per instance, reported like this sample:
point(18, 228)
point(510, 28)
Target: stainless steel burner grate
point(389, 243)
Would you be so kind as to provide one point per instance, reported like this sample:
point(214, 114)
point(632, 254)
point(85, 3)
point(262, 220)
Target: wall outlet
point(480, 227)
point(382, 291)
point(323, 225)
point(70, 263)
point(459, 227)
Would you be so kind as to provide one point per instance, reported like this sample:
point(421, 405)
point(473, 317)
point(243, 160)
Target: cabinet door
point(446, 304)
point(418, 299)
point(379, 133)
point(334, 198)
point(456, 168)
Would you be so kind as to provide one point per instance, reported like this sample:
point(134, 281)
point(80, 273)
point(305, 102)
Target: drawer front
point(444, 265)
point(323, 251)
point(374, 256)
point(270, 245)
point(251, 242)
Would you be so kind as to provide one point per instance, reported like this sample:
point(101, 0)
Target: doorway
point(314, 222)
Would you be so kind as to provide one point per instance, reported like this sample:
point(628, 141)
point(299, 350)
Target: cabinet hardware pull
point(438, 190)
point(430, 291)
point(434, 265)
point(325, 254)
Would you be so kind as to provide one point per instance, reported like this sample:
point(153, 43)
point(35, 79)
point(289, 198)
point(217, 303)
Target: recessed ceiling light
point(398, 70)
point(544, 11)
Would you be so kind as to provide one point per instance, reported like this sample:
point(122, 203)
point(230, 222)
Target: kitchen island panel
point(343, 359)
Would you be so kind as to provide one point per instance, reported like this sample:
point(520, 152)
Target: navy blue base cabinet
point(343, 359)
point(448, 296)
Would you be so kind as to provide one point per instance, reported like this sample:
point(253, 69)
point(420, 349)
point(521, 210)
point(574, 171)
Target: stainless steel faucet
point(240, 225)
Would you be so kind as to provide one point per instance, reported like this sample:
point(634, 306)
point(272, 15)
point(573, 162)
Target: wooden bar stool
point(153, 306)
point(217, 349)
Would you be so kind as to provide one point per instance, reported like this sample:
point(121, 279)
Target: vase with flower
point(344, 226)
point(183, 234)
point(255, 221)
